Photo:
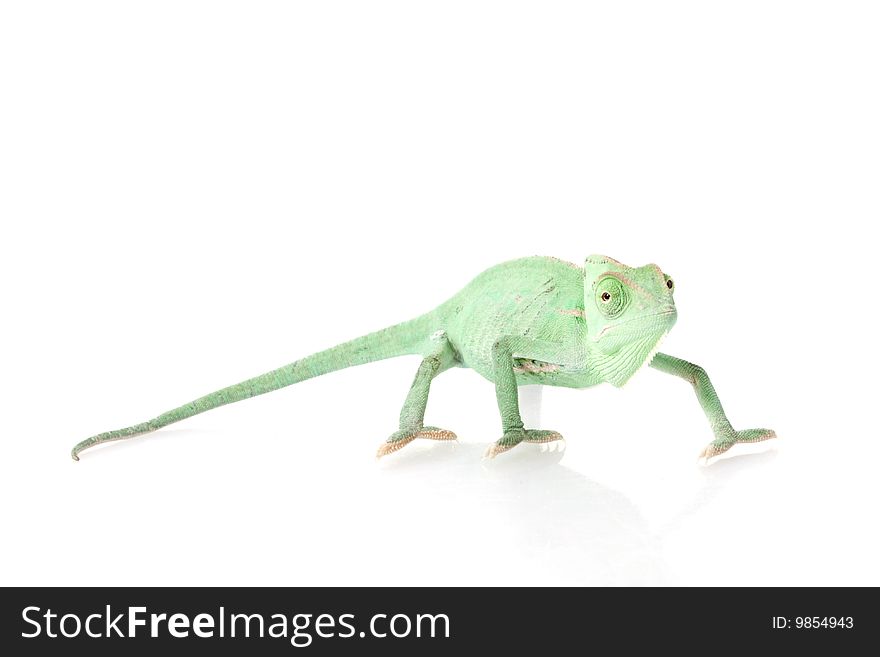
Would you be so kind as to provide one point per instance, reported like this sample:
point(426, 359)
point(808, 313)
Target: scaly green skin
point(535, 320)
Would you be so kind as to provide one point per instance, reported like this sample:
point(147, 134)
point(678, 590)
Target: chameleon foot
point(403, 437)
point(721, 445)
point(516, 436)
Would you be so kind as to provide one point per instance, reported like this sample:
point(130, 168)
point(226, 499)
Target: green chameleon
point(535, 320)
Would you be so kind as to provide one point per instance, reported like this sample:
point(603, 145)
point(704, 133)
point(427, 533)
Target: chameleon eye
point(612, 297)
point(669, 283)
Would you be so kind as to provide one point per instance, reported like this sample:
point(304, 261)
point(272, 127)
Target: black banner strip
point(105, 621)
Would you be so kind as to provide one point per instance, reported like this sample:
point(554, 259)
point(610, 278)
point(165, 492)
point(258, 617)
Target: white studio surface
point(197, 192)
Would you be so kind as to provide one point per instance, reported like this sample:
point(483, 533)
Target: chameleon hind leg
point(412, 415)
point(725, 435)
point(507, 393)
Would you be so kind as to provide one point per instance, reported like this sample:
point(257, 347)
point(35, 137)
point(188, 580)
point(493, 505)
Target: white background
point(196, 192)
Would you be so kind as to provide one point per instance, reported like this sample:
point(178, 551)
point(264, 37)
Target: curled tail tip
point(80, 447)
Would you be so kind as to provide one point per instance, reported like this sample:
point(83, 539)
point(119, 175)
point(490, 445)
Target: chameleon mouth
point(624, 331)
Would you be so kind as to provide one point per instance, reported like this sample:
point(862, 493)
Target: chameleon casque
point(536, 320)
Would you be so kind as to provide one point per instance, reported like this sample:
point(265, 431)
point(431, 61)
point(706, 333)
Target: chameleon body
point(535, 320)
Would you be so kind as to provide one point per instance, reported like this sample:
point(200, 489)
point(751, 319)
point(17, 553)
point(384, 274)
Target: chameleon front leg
point(725, 435)
point(412, 415)
point(507, 394)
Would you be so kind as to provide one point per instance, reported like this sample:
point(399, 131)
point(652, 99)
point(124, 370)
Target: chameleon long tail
point(397, 340)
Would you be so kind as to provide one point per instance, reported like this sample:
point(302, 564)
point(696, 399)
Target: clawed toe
point(387, 448)
point(514, 437)
point(434, 433)
point(717, 447)
point(755, 435)
point(495, 449)
point(539, 436)
point(400, 439)
point(713, 449)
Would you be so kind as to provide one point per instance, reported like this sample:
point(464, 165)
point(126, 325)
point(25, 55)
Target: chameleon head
point(628, 311)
